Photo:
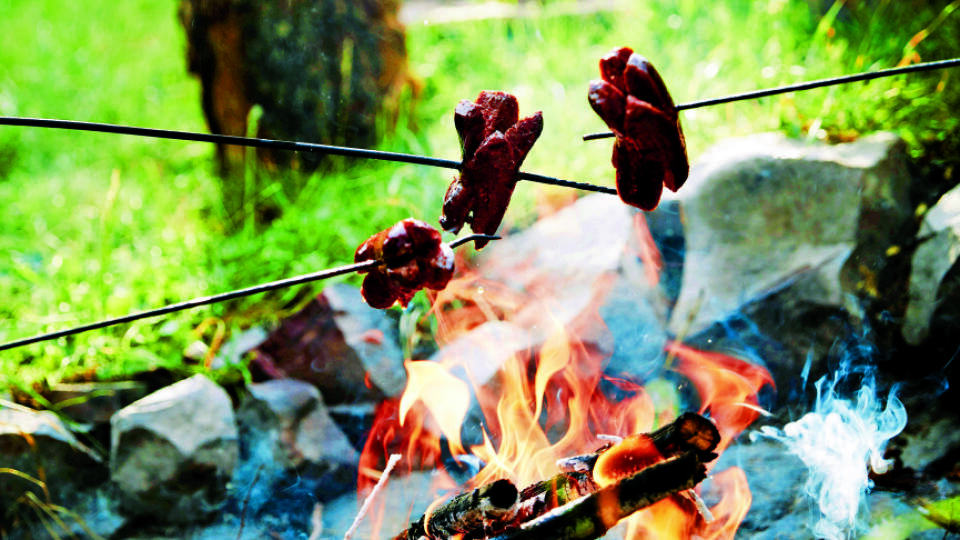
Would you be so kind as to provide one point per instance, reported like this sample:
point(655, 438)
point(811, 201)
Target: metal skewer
point(755, 94)
point(279, 145)
point(207, 300)
point(379, 155)
point(437, 162)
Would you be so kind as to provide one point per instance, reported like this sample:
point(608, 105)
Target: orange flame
point(448, 398)
point(728, 388)
point(733, 505)
point(535, 374)
point(419, 447)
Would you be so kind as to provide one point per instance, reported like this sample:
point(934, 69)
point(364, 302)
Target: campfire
point(518, 401)
point(562, 448)
point(542, 412)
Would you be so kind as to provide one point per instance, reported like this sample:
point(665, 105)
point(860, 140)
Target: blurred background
point(97, 225)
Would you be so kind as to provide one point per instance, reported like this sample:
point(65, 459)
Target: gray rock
point(354, 419)
point(233, 351)
point(784, 329)
point(776, 483)
point(760, 209)
point(173, 452)
point(785, 240)
point(930, 264)
point(933, 257)
point(339, 344)
point(286, 419)
point(372, 335)
point(561, 261)
point(289, 444)
point(31, 441)
point(931, 441)
point(945, 213)
point(95, 513)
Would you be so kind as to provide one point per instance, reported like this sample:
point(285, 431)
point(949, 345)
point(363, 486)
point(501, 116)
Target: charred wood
point(544, 497)
point(680, 448)
point(593, 515)
point(689, 433)
point(466, 513)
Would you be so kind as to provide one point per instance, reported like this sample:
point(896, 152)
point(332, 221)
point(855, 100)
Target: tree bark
point(691, 436)
point(593, 515)
point(466, 513)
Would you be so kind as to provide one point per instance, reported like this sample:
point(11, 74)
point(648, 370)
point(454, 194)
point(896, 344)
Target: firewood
point(593, 515)
point(690, 432)
point(465, 513)
point(691, 437)
point(543, 497)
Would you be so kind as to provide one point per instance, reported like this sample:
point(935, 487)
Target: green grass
point(102, 225)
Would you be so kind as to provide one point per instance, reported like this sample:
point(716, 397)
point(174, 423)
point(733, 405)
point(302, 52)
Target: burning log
point(593, 515)
point(543, 497)
point(465, 513)
point(585, 474)
point(689, 432)
point(593, 489)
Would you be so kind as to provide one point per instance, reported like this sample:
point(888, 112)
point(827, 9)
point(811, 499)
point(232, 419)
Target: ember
point(494, 143)
point(650, 151)
point(636, 452)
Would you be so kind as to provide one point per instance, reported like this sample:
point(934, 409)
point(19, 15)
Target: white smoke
point(840, 441)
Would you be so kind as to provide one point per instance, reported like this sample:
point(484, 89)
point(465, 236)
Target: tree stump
point(322, 71)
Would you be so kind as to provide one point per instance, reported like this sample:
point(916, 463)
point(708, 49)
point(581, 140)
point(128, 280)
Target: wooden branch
point(464, 514)
point(542, 497)
point(591, 516)
point(689, 432)
point(691, 436)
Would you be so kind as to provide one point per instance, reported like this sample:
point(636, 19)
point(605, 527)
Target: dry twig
point(391, 463)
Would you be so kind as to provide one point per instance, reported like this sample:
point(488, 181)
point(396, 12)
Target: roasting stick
point(437, 162)
point(809, 85)
point(207, 300)
point(365, 507)
point(280, 145)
